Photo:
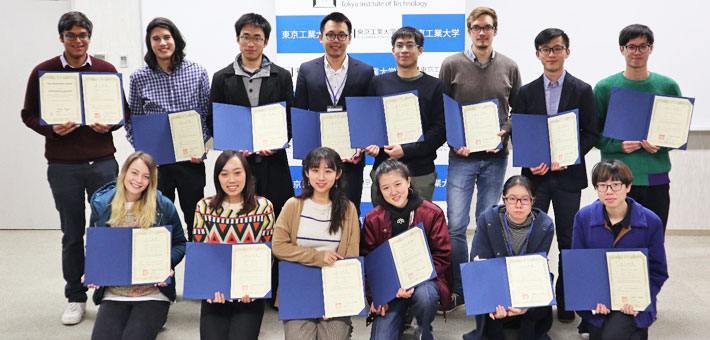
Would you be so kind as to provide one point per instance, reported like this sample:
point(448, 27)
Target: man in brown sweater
point(80, 157)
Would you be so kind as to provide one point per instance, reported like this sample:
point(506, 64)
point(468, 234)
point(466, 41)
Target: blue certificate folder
point(152, 135)
point(301, 291)
point(587, 277)
point(455, 133)
point(485, 285)
point(305, 126)
point(81, 95)
point(382, 275)
point(366, 121)
point(232, 127)
point(109, 256)
point(208, 269)
point(531, 139)
point(629, 114)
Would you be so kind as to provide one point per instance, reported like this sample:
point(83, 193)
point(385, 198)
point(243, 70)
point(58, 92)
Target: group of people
point(253, 200)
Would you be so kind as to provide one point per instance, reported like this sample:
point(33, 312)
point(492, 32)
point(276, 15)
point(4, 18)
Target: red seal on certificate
point(245, 288)
point(339, 305)
point(97, 115)
point(184, 151)
point(625, 299)
point(478, 142)
point(410, 276)
point(661, 137)
point(145, 272)
point(526, 296)
point(400, 135)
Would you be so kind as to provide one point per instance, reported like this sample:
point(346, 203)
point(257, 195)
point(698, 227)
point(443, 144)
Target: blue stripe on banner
point(442, 32)
point(381, 62)
point(298, 34)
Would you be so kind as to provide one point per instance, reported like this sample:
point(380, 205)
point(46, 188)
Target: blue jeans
point(464, 174)
point(424, 302)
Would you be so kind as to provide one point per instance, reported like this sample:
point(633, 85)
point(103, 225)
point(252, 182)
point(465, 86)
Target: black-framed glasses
point(513, 200)
point(341, 36)
point(557, 49)
point(247, 39)
point(485, 29)
point(71, 36)
point(643, 48)
point(400, 47)
point(603, 187)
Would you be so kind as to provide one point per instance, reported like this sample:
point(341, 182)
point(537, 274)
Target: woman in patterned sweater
point(233, 215)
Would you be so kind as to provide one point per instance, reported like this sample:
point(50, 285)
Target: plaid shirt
point(154, 91)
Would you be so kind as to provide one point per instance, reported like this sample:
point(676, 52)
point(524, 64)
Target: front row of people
point(320, 226)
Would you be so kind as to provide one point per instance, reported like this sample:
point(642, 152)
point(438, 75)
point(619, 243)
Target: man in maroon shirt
point(80, 157)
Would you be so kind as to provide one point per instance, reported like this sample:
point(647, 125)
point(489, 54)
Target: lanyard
point(335, 93)
point(527, 238)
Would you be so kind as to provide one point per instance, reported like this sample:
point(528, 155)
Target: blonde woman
point(133, 200)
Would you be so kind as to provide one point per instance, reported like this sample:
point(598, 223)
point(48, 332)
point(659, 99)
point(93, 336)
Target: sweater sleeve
point(30, 111)
point(204, 103)
point(604, 144)
point(481, 241)
point(283, 245)
point(439, 243)
point(352, 227)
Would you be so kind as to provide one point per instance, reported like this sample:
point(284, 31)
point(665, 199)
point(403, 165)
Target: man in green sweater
point(649, 164)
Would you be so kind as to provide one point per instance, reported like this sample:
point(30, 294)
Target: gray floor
point(32, 296)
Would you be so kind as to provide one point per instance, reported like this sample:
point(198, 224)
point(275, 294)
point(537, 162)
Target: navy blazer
point(312, 91)
point(576, 94)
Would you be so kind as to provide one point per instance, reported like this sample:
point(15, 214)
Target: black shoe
point(565, 316)
point(457, 303)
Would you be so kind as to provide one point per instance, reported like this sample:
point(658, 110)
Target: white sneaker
point(74, 313)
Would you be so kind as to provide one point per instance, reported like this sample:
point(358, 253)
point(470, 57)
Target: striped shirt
point(226, 225)
point(314, 225)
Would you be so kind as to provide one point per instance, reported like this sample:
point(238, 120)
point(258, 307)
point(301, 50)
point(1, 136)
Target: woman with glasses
point(512, 229)
point(617, 221)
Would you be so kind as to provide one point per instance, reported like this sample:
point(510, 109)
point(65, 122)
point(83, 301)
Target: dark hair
point(611, 169)
point(387, 167)
point(337, 17)
point(549, 34)
point(635, 31)
point(249, 191)
point(408, 32)
point(519, 180)
point(70, 19)
point(179, 53)
point(337, 193)
point(253, 19)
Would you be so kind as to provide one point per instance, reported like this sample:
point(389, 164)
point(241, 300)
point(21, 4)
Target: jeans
point(424, 302)
point(130, 320)
point(464, 174)
point(71, 185)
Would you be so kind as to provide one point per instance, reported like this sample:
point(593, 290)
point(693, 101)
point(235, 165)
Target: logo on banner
point(298, 34)
point(323, 3)
point(442, 32)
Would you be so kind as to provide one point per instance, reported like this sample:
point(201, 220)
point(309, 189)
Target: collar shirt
point(469, 53)
point(252, 78)
point(65, 63)
point(553, 90)
point(335, 79)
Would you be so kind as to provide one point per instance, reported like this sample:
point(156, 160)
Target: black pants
point(135, 320)
point(352, 177)
point(566, 205)
point(231, 320)
point(617, 326)
point(189, 180)
point(534, 324)
point(656, 198)
point(73, 184)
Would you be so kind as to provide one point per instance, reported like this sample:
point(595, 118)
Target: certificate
point(269, 127)
point(151, 255)
point(103, 102)
point(564, 138)
point(343, 290)
point(404, 124)
point(481, 126)
point(251, 270)
point(670, 121)
point(529, 280)
point(628, 279)
point(60, 97)
point(411, 257)
point(186, 130)
point(335, 133)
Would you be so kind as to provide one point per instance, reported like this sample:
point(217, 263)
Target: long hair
point(386, 167)
point(146, 206)
point(179, 54)
point(249, 190)
point(339, 202)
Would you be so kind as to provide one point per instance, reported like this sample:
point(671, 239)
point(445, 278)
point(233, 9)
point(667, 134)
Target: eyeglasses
point(71, 36)
point(603, 187)
point(557, 49)
point(400, 47)
point(514, 200)
point(485, 29)
point(340, 36)
point(641, 48)
point(247, 39)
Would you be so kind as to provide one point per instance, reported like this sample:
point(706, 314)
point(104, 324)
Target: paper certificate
point(481, 126)
point(151, 255)
point(186, 129)
point(411, 257)
point(343, 290)
point(251, 270)
point(564, 138)
point(529, 281)
point(103, 102)
point(404, 124)
point(628, 279)
point(269, 127)
point(670, 121)
point(60, 98)
point(335, 133)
